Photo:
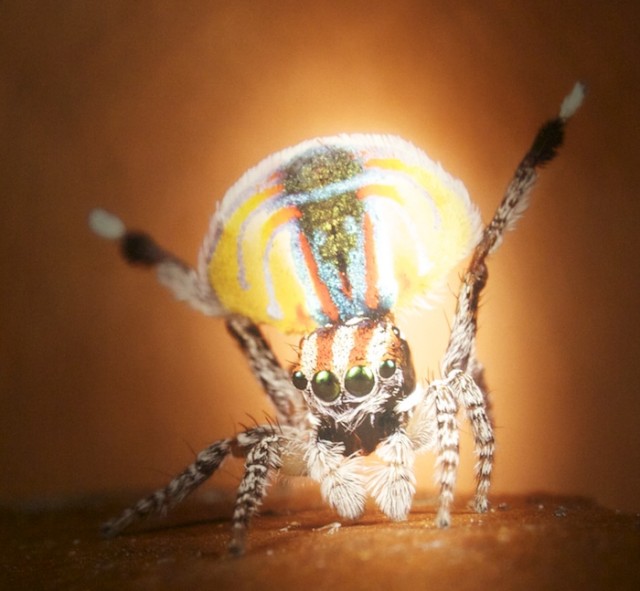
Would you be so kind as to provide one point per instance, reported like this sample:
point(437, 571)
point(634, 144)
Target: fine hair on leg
point(287, 400)
point(207, 462)
point(459, 358)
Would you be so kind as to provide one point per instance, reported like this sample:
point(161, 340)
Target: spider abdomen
point(335, 228)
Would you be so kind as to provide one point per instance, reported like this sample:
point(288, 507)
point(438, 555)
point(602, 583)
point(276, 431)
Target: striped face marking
point(337, 228)
point(346, 363)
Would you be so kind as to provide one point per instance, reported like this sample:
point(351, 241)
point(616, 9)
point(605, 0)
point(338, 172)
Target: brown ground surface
point(535, 542)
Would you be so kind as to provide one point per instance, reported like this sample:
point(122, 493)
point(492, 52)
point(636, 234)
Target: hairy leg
point(262, 457)
point(512, 207)
point(207, 462)
point(448, 447)
point(340, 478)
point(460, 353)
point(393, 484)
point(138, 248)
point(288, 401)
point(473, 401)
point(187, 285)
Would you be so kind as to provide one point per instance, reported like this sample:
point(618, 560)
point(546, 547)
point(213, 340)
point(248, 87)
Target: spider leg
point(288, 401)
point(186, 284)
point(263, 447)
point(459, 363)
point(474, 402)
point(393, 484)
point(514, 203)
point(472, 392)
point(340, 477)
point(138, 248)
point(448, 447)
point(207, 462)
point(460, 387)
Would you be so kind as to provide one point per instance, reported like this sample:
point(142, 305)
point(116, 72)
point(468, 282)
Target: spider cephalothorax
point(352, 376)
point(330, 239)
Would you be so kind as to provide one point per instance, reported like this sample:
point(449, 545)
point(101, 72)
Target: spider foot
point(345, 496)
point(481, 504)
point(393, 489)
point(443, 518)
point(110, 529)
point(396, 502)
point(237, 546)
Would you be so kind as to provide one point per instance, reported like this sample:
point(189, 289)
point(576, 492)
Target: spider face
point(352, 375)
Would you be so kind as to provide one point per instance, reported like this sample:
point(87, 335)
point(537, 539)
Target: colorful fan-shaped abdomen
point(334, 228)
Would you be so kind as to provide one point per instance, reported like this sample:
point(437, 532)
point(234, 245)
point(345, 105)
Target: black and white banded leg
point(460, 366)
point(263, 448)
point(207, 462)
point(473, 400)
point(190, 286)
point(448, 447)
point(287, 400)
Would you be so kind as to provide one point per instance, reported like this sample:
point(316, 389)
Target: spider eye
point(387, 368)
point(325, 386)
point(359, 380)
point(298, 379)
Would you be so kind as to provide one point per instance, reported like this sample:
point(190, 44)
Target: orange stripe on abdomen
point(371, 297)
point(328, 307)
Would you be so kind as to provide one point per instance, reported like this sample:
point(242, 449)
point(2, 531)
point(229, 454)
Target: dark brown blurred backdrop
point(152, 109)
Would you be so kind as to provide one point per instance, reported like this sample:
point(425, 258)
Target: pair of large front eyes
point(358, 381)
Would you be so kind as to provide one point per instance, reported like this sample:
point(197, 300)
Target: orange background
point(152, 109)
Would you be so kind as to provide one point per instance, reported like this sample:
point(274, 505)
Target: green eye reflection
point(387, 368)
point(298, 379)
point(359, 380)
point(325, 386)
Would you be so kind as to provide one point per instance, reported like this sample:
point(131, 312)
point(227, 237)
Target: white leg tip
point(106, 224)
point(443, 518)
point(481, 505)
point(573, 100)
